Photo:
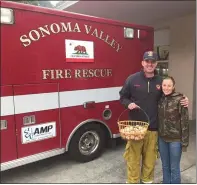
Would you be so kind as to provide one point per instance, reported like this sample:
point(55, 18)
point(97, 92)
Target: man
point(143, 89)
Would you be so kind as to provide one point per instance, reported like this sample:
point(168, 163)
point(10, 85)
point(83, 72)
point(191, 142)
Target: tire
point(87, 143)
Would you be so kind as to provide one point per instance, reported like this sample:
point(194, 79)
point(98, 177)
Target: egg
point(133, 132)
point(132, 137)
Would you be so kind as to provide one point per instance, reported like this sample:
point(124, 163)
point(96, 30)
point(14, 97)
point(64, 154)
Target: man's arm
point(125, 93)
point(185, 101)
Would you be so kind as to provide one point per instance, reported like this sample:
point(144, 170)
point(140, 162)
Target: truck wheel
point(87, 143)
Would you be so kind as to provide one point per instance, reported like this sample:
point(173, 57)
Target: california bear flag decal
point(79, 51)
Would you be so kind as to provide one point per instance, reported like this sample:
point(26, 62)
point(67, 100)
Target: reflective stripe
point(47, 101)
point(7, 105)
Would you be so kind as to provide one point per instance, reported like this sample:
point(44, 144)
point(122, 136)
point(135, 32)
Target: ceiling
point(139, 12)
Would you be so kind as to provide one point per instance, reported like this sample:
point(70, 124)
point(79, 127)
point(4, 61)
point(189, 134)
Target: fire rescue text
point(77, 73)
point(54, 28)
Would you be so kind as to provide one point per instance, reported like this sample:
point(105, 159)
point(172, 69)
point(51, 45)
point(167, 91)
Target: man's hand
point(132, 106)
point(185, 101)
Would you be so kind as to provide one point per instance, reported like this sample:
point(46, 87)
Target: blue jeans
point(170, 153)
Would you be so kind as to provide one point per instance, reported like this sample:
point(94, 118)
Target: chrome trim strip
point(116, 135)
point(82, 123)
point(30, 159)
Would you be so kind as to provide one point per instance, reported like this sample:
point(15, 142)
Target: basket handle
point(136, 108)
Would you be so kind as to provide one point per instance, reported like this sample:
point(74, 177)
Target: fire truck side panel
point(60, 94)
point(48, 52)
point(8, 131)
point(90, 115)
point(37, 118)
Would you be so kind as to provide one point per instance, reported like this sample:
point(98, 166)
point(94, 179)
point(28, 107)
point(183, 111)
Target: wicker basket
point(133, 130)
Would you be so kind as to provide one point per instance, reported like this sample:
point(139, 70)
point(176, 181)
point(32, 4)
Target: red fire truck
point(61, 74)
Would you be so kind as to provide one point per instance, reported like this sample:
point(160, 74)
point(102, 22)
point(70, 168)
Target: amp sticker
point(79, 51)
point(38, 132)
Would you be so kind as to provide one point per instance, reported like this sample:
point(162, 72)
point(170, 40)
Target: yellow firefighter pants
point(147, 148)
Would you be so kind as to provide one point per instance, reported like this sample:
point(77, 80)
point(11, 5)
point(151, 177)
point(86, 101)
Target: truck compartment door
point(37, 118)
point(8, 131)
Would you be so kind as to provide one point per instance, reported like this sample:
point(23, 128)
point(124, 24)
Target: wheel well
point(104, 127)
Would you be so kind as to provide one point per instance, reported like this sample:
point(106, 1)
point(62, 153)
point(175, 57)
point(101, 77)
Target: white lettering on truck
point(76, 73)
point(54, 28)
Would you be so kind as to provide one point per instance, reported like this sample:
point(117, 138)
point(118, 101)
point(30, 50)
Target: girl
point(173, 131)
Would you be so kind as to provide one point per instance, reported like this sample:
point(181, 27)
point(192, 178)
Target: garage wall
point(182, 55)
point(162, 37)
point(194, 92)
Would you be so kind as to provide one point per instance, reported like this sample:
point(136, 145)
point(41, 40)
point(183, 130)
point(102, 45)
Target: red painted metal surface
point(23, 66)
point(6, 90)
point(41, 117)
point(8, 140)
point(8, 136)
point(43, 145)
point(49, 52)
point(71, 117)
point(35, 88)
